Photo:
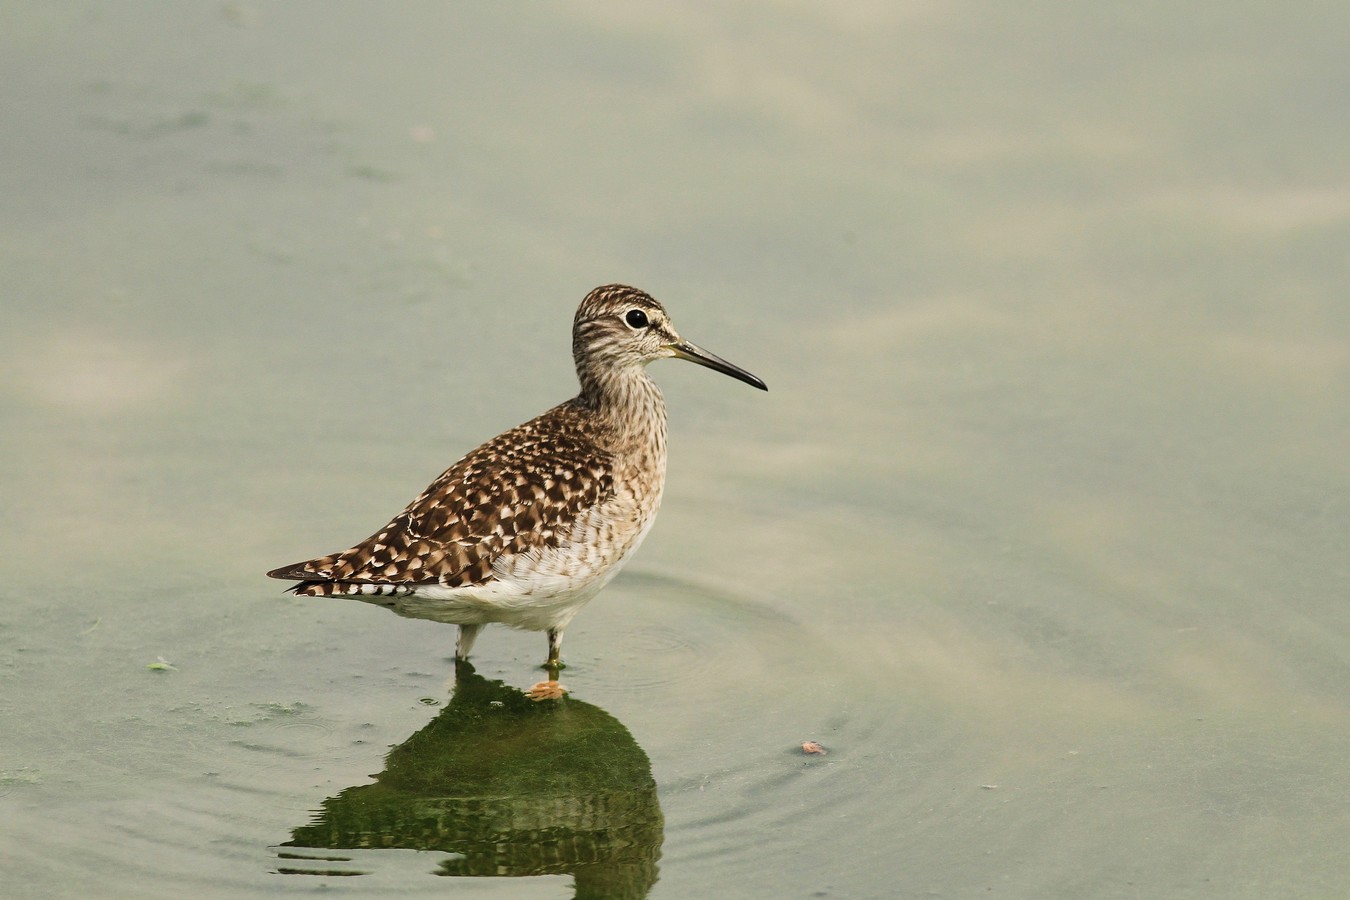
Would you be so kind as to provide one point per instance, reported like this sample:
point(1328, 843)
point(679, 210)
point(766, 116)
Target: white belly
point(544, 589)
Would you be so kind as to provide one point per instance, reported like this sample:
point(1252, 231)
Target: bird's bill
point(696, 354)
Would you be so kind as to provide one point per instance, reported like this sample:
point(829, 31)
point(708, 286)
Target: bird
point(527, 528)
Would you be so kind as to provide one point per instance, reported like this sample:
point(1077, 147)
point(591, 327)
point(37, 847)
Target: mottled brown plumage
point(519, 492)
point(528, 527)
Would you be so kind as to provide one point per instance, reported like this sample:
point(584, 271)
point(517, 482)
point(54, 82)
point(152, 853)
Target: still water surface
point(1042, 529)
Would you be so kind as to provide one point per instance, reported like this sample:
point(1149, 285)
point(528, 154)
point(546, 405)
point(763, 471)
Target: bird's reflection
point(511, 787)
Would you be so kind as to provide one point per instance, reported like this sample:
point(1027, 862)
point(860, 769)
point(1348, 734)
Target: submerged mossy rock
point(514, 787)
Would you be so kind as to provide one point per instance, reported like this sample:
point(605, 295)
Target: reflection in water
point(512, 787)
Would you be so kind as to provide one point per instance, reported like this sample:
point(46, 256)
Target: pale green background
point(1043, 528)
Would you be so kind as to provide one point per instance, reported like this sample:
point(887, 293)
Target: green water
point(1042, 529)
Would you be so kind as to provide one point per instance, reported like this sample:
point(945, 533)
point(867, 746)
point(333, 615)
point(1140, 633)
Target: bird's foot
point(546, 690)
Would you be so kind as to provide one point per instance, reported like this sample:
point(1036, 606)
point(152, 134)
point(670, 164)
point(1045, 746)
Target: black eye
point(636, 318)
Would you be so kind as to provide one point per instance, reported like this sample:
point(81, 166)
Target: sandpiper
point(531, 525)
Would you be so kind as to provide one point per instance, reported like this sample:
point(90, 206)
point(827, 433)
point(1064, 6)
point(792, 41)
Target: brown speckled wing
point(521, 491)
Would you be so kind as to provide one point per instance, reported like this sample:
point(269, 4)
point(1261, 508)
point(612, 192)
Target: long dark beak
point(696, 354)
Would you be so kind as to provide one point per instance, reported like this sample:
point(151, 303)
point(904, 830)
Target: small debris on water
point(162, 665)
point(811, 748)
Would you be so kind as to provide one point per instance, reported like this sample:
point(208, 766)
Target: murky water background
point(1041, 530)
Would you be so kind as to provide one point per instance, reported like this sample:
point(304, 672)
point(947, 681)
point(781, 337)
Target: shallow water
point(1041, 530)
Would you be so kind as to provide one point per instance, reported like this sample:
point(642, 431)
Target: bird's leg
point(554, 649)
point(467, 635)
point(551, 689)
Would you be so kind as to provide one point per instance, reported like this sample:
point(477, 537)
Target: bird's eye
point(636, 318)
